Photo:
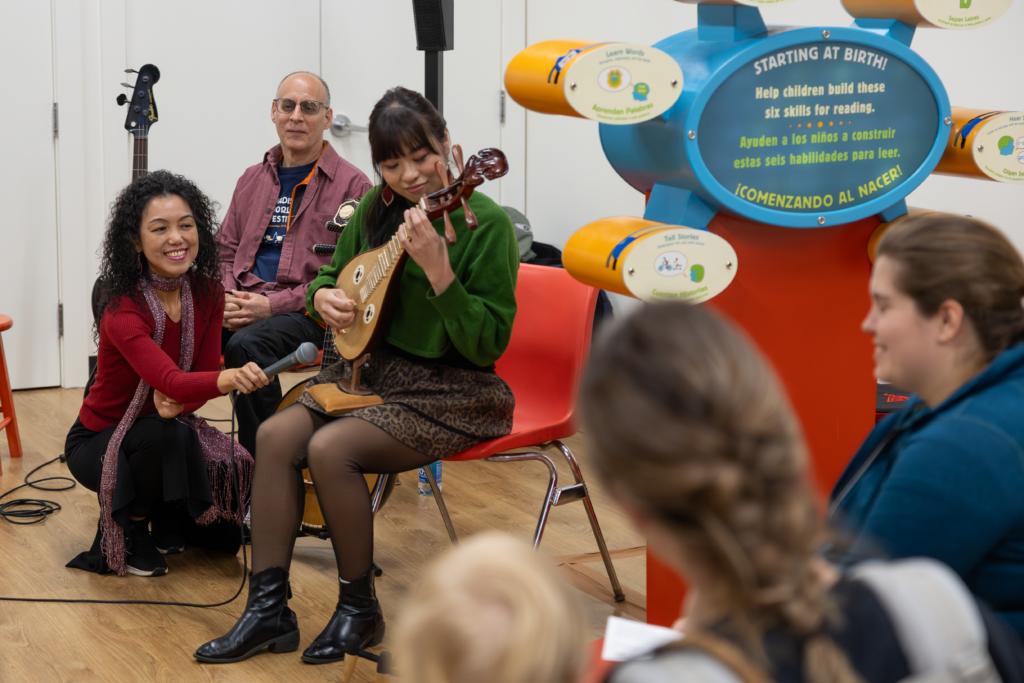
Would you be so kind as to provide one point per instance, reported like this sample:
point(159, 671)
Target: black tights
point(338, 452)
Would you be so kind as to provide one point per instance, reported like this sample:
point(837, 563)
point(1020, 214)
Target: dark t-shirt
point(268, 256)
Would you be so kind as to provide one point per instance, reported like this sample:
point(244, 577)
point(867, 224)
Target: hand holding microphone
point(250, 377)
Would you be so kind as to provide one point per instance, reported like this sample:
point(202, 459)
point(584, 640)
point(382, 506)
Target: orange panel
point(801, 296)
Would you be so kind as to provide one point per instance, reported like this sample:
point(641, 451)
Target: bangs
point(399, 131)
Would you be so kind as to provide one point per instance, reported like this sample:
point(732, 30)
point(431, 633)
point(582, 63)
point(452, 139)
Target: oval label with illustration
point(622, 83)
point(962, 14)
point(679, 264)
point(999, 148)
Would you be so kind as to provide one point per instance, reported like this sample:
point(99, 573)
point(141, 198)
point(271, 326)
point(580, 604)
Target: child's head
point(491, 610)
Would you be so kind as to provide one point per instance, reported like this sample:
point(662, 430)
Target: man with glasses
point(278, 212)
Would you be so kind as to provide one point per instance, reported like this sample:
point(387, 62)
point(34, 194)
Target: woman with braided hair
point(696, 441)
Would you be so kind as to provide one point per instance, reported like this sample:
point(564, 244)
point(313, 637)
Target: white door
point(28, 235)
point(359, 70)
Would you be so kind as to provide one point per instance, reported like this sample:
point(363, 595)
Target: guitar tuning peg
point(130, 71)
point(128, 85)
point(122, 100)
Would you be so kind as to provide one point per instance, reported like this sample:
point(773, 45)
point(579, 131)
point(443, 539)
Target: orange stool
point(9, 421)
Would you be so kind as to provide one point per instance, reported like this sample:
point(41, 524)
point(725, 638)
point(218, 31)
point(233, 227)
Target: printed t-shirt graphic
point(268, 256)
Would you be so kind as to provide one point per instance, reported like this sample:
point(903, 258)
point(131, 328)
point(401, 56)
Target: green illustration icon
point(697, 273)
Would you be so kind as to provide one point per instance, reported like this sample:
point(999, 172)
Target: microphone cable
point(42, 513)
point(34, 509)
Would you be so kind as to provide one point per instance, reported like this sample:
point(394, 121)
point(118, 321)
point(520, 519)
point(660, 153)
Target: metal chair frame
point(556, 495)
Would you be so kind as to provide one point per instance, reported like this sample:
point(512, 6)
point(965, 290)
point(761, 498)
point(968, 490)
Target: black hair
point(118, 256)
point(401, 122)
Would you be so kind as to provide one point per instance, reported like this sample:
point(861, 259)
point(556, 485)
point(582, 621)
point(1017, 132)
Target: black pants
point(263, 343)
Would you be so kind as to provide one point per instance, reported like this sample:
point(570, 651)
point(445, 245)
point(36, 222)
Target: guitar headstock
point(491, 164)
point(141, 107)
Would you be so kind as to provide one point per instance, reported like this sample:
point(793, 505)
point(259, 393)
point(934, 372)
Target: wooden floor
point(112, 643)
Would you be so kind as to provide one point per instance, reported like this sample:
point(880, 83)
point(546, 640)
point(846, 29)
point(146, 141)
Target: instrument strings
point(386, 260)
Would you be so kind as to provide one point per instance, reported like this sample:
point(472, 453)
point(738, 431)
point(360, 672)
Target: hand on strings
point(427, 248)
point(166, 406)
point(334, 306)
point(244, 308)
point(244, 380)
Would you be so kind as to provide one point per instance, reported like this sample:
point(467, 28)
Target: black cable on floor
point(34, 509)
point(241, 531)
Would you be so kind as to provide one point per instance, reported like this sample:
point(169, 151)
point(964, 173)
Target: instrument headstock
point(487, 164)
point(142, 107)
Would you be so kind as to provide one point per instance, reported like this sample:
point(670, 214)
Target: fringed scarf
point(215, 444)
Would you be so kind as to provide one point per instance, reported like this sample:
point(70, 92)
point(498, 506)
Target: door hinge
point(56, 126)
point(60, 320)
point(501, 106)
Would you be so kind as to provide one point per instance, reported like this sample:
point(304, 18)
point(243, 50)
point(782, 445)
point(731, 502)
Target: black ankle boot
point(358, 612)
point(266, 622)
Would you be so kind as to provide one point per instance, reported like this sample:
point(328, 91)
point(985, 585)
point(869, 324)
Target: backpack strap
point(935, 618)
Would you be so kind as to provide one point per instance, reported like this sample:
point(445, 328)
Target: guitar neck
point(390, 257)
point(140, 156)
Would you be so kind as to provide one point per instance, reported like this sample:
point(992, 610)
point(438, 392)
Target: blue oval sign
point(817, 127)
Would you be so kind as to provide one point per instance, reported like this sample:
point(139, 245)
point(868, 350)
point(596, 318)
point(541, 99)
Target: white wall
point(221, 61)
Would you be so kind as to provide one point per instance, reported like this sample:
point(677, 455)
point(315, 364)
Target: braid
point(716, 455)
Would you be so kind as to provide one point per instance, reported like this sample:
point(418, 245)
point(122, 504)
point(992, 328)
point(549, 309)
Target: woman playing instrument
point(695, 440)
point(434, 373)
point(944, 477)
point(158, 359)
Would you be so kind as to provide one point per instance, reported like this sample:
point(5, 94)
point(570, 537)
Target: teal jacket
point(948, 483)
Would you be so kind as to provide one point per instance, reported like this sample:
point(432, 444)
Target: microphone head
point(307, 353)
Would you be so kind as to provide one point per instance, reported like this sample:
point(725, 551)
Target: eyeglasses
point(308, 107)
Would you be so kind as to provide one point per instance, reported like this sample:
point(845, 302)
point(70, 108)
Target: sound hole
point(358, 276)
point(368, 314)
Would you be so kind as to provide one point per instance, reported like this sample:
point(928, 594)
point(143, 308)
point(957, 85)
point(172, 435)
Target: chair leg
point(7, 407)
point(552, 484)
point(378, 493)
point(595, 527)
point(441, 507)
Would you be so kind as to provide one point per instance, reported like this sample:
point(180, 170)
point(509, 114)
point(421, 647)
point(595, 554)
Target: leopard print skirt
point(437, 409)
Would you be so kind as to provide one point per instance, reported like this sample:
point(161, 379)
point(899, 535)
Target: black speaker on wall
point(435, 24)
point(435, 33)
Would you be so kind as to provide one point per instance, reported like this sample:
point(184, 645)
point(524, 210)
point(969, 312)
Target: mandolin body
point(375, 274)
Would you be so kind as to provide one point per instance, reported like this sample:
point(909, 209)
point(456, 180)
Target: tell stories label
point(679, 264)
point(962, 14)
point(622, 83)
point(999, 148)
point(818, 127)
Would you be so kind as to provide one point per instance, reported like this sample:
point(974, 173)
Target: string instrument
point(141, 115)
point(370, 279)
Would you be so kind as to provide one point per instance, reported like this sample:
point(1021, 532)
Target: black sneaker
point(143, 557)
point(168, 533)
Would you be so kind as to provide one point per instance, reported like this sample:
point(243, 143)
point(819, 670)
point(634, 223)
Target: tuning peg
point(128, 85)
point(130, 71)
point(122, 100)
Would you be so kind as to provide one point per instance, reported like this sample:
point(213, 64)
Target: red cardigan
point(127, 352)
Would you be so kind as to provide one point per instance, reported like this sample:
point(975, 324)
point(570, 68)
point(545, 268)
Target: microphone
point(304, 355)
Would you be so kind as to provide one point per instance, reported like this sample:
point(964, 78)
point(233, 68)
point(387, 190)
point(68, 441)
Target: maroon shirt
point(127, 352)
point(252, 205)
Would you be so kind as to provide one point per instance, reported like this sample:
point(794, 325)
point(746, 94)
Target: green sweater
point(474, 313)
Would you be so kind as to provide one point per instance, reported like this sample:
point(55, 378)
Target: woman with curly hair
point(136, 442)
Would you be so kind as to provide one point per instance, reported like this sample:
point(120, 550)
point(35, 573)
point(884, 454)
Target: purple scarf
point(215, 444)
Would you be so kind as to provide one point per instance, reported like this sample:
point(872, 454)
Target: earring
point(138, 264)
point(387, 196)
point(195, 264)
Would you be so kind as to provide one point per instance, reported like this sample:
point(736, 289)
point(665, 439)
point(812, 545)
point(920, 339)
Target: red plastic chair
point(543, 364)
point(9, 421)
